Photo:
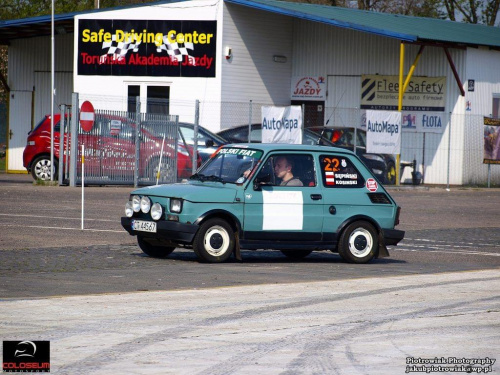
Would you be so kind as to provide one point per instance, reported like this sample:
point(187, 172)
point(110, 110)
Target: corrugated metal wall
point(320, 49)
point(251, 74)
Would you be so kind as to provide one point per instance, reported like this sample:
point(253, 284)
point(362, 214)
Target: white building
point(265, 51)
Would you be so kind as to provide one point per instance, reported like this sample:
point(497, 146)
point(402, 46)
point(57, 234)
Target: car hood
point(193, 191)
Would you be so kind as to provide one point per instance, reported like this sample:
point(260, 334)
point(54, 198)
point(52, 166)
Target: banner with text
point(423, 93)
point(282, 124)
point(146, 48)
point(308, 88)
point(383, 132)
point(491, 141)
point(424, 122)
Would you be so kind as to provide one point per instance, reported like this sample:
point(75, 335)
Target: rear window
point(339, 172)
point(57, 126)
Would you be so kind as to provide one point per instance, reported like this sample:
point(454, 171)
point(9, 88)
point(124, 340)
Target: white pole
point(159, 164)
point(83, 180)
point(52, 54)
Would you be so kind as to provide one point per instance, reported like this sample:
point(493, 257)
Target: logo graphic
point(409, 121)
point(26, 356)
point(28, 349)
point(371, 185)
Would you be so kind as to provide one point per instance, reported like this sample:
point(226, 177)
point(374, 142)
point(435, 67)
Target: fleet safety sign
point(147, 48)
point(422, 94)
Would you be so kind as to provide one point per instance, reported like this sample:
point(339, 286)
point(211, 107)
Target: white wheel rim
point(42, 169)
point(216, 241)
point(360, 243)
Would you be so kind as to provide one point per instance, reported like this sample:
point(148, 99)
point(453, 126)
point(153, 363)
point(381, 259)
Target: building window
point(496, 106)
point(158, 100)
point(133, 92)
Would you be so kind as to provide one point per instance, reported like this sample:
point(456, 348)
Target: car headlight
point(145, 204)
point(129, 211)
point(175, 205)
point(156, 211)
point(136, 203)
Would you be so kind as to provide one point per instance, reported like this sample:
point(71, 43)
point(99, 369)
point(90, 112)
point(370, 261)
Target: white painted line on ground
point(57, 217)
point(64, 228)
point(449, 252)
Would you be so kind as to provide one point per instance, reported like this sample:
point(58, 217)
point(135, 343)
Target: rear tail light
point(398, 211)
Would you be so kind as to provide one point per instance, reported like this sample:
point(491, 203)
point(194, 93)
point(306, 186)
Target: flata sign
point(282, 124)
point(383, 132)
point(423, 93)
point(147, 48)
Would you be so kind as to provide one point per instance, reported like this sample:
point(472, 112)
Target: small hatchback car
point(292, 198)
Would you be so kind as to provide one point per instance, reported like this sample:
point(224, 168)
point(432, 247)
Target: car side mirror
point(209, 143)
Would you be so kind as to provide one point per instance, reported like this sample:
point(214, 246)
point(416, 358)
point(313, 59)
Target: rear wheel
point(154, 251)
point(41, 170)
point(296, 254)
point(214, 241)
point(358, 242)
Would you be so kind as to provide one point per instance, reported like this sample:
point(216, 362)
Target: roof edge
point(308, 17)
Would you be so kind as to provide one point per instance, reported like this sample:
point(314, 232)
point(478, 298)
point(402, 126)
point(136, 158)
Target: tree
point(473, 11)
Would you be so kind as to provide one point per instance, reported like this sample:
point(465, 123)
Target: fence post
point(449, 154)
point(194, 164)
point(250, 122)
point(74, 138)
point(137, 139)
point(62, 148)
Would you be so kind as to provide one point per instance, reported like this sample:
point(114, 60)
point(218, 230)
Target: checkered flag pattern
point(119, 49)
point(174, 50)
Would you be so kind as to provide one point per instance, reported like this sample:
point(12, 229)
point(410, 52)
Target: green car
point(292, 198)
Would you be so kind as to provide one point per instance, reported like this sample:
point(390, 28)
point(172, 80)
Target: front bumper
point(393, 236)
point(167, 230)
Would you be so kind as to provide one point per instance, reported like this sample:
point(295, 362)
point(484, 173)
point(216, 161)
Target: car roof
point(267, 147)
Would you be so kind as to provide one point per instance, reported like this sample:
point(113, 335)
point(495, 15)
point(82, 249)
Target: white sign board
point(282, 124)
point(308, 88)
point(383, 132)
point(423, 122)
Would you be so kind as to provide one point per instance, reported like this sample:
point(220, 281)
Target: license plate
point(144, 226)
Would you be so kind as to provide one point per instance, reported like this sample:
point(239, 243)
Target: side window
point(339, 172)
point(188, 135)
point(288, 170)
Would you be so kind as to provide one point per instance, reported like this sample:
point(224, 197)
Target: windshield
point(229, 165)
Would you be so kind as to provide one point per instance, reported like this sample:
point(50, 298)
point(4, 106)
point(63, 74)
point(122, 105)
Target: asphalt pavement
point(433, 306)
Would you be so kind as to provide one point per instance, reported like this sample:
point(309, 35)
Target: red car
point(109, 149)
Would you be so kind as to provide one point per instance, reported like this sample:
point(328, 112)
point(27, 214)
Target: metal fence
point(123, 148)
point(453, 156)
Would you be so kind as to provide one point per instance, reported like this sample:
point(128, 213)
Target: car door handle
point(316, 197)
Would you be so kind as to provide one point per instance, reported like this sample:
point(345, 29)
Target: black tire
point(390, 177)
point(154, 251)
point(214, 241)
point(358, 242)
point(40, 168)
point(296, 254)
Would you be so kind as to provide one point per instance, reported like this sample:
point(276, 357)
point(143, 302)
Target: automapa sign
point(147, 48)
point(422, 94)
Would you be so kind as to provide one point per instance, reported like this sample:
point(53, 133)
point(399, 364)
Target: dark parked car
point(239, 134)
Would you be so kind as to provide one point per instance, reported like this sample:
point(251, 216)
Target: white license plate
point(144, 226)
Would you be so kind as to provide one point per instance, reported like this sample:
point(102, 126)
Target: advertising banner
point(424, 122)
point(282, 124)
point(308, 88)
point(383, 132)
point(423, 93)
point(146, 48)
point(491, 141)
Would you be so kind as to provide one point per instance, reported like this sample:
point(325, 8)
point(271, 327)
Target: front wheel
point(154, 251)
point(358, 242)
point(296, 254)
point(214, 241)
